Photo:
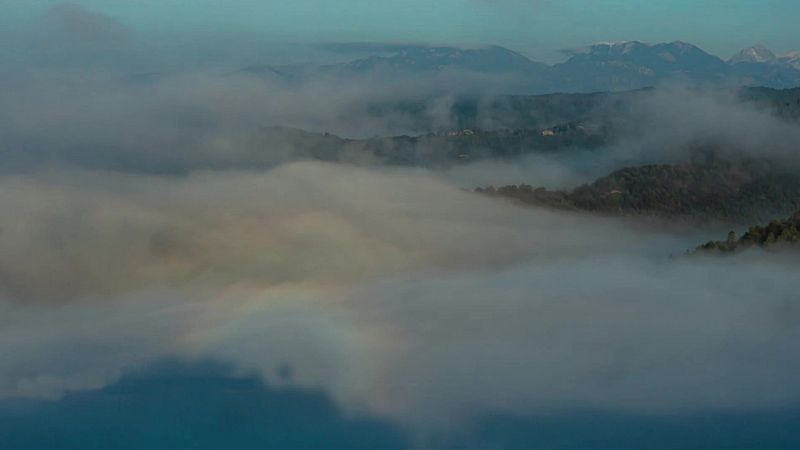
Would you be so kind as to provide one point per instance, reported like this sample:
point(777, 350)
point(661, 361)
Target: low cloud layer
point(674, 120)
point(397, 292)
point(183, 123)
point(298, 221)
point(145, 217)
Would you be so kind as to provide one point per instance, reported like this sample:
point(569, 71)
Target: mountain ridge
point(609, 66)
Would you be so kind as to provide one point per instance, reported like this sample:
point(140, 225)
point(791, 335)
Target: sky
point(537, 28)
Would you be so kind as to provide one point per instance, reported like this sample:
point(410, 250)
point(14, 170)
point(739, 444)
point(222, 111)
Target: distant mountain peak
point(792, 59)
point(645, 54)
point(755, 54)
point(621, 48)
point(418, 58)
point(683, 45)
point(602, 66)
point(617, 46)
point(618, 43)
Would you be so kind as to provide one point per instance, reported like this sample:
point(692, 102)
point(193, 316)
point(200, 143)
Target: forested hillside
point(776, 234)
point(726, 191)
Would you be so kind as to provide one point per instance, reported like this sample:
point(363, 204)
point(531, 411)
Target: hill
point(778, 233)
point(719, 191)
point(548, 110)
point(443, 149)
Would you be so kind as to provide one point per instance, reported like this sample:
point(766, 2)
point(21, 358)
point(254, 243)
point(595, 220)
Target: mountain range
point(600, 67)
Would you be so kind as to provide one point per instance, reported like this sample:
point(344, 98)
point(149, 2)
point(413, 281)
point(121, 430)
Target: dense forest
point(783, 103)
point(778, 233)
point(716, 191)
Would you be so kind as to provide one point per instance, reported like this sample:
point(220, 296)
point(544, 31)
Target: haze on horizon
point(540, 29)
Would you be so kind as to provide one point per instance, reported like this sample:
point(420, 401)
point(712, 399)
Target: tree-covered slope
point(443, 148)
point(777, 233)
point(722, 191)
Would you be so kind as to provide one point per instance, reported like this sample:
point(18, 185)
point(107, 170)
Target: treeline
point(506, 127)
point(543, 111)
point(776, 233)
point(724, 191)
point(445, 148)
point(783, 103)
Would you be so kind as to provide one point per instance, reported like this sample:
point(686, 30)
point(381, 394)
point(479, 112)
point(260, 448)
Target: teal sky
point(538, 28)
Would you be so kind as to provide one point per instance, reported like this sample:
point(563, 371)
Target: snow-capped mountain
point(760, 54)
point(416, 58)
point(758, 65)
point(608, 66)
point(792, 59)
point(756, 54)
point(635, 64)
